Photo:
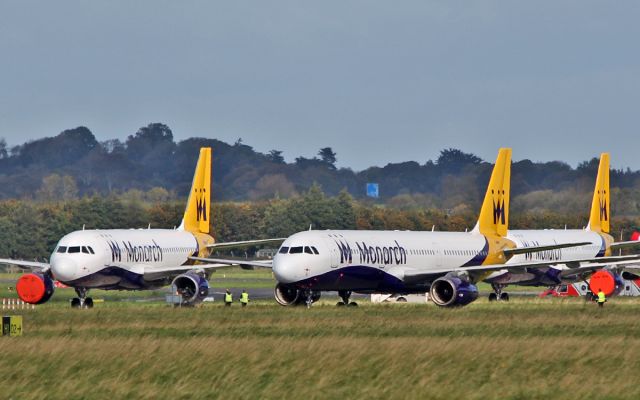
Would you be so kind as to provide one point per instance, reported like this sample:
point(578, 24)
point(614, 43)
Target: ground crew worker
point(244, 298)
point(228, 298)
point(601, 298)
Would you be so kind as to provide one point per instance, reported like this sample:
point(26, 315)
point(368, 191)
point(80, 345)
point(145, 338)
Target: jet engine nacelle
point(35, 288)
point(610, 282)
point(451, 291)
point(192, 287)
point(288, 295)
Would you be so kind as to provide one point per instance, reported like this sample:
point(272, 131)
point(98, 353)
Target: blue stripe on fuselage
point(479, 258)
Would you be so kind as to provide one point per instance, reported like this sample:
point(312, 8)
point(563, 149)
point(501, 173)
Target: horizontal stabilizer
point(26, 264)
point(245, 244)
point(536, 249)
point(229, 262)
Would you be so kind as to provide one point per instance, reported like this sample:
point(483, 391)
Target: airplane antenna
point(149, 227)
point(310, 226)
point(82, 226)
point(433, 228)
point(565, 227)
point(466, 230)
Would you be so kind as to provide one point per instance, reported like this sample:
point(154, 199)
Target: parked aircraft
point(134, 259)
point(597, 244)
point(445, 264)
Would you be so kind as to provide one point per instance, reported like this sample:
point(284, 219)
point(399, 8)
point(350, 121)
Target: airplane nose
point(64, 269)
point(284, 270)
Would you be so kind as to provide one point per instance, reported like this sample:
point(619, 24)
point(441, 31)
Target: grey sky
point(378, 81)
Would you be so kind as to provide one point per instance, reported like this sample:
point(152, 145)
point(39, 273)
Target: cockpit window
point(85, 250)
point(90, 250)
point(62, 249)
point(295, 250)
point(315, 251)
point(74, 249)
point(307, 250)
point(283, 250)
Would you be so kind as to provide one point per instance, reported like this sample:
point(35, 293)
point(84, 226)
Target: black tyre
point(504, 296)
point(75, 302)
point(401, 300)
point(352, 304)
point(493, 297)
point(88, 302)
point(340, 304)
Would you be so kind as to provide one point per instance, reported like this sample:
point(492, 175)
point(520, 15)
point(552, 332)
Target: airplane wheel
point(75, 302)
point(504, 296)
point(401, 300)
point(493, 297)
point(340, 304)
point(352, 304)
point(88, 302)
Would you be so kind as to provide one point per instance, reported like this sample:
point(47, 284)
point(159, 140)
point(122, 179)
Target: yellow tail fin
point(494, 214)
point(599, 218)
point(197, 214)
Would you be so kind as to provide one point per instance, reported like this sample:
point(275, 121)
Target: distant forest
point(151, 166)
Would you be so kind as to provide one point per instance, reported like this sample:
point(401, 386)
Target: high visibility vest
point(601, 297)
point(244, 298)
point(228, 298)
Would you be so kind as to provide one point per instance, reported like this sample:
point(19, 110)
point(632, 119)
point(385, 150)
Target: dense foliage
point(151, 163)
point(30, 229)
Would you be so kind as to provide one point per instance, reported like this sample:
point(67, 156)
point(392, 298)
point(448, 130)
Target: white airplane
point(445, 264)
point(134, 259)
point(597, 244)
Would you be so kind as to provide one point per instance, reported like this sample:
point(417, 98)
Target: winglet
point(197, 214)
point(494, 214)
point(599, 218)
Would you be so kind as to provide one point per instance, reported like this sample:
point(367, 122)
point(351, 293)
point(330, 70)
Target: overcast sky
point(378, 82)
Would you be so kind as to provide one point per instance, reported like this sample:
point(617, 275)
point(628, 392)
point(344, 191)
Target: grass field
point(527, 348)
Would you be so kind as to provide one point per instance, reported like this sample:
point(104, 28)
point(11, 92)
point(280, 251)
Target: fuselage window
point(295, 250)
point(62, 249)
point(283, 250)
point(74, 249)
point(315, 251)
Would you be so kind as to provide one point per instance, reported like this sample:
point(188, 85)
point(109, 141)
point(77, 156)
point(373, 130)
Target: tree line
point(151, 166)
point(30, 229)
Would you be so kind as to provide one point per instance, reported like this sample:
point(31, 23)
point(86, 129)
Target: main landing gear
point(498, 294)
point(344, 295)
point(82, 301)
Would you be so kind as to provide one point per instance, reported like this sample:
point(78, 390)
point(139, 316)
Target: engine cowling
point(287, 295)
point(35, 288)
point(452, 291)
point(610, 282)
point(192, 287)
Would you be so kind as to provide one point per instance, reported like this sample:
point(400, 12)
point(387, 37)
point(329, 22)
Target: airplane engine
point(35, 288)
point(610, 282)
point(287, 295)
point(451, 291)
point(192, 287)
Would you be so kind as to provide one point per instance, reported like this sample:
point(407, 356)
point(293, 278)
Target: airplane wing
point(417, 274)
point(31, 265)
point(245, 243)
point(536, 249)
point(228, 262)
point(143, 269)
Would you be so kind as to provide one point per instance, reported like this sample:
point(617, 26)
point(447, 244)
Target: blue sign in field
point(373, 190)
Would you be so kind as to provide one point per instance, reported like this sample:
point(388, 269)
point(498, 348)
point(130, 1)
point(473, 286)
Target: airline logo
point(201, 205)
point(133, 253)
point(388, 255)
point(546, 255)
point(603, 205)
point(498, 208)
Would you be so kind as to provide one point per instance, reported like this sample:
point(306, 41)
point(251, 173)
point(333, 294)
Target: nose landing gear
point(82, 301)
point(345, 295)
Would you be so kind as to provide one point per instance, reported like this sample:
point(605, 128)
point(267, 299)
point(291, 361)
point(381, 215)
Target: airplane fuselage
point(124, 258)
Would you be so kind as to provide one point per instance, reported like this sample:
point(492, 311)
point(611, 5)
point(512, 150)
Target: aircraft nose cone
point(284, 271)
point(64, 269)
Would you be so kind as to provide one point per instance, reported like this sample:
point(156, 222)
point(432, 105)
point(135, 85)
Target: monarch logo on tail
point(499, 214)
point(201, 204)
point(603, 206)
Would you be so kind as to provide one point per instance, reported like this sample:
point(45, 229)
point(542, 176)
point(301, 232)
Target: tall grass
point(524, 349)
